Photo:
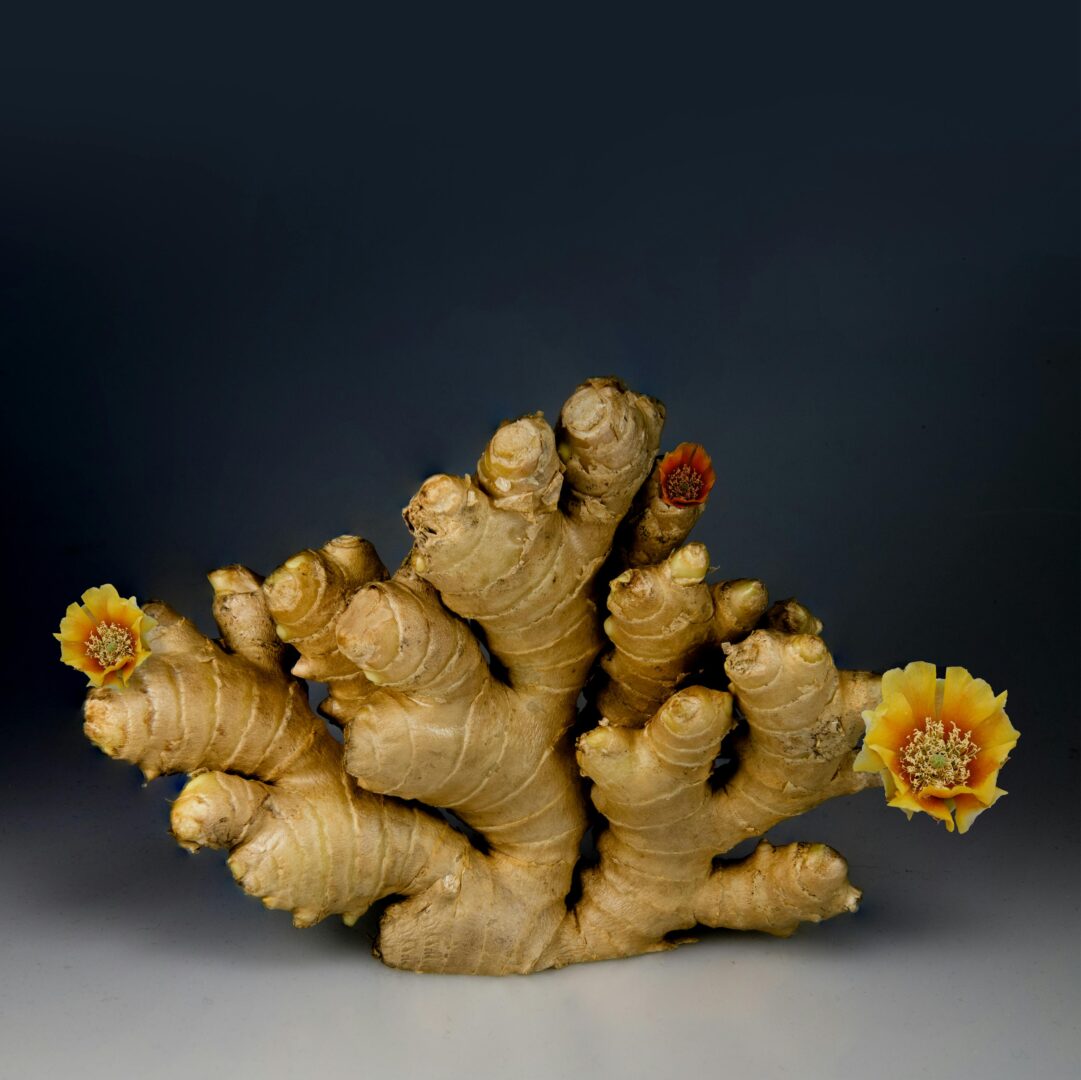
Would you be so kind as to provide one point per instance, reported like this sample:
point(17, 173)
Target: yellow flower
point(104, 636)
point(938, 743)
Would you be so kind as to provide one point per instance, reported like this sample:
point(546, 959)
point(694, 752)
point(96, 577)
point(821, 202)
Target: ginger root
point(456, 681)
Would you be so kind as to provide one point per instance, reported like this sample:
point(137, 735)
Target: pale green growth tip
point(690, 564)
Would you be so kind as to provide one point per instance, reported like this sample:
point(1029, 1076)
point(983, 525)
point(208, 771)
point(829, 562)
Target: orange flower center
point(110, 644)
point(934, 757)
point(683, 484)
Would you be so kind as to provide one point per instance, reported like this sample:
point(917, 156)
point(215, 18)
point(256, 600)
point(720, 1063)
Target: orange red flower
point(104, 637)
point(686, 475)
point(938, 743)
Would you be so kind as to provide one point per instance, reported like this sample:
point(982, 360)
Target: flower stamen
point(686, 476)
point(684, 484)
point(110, 644)
point(934, 757)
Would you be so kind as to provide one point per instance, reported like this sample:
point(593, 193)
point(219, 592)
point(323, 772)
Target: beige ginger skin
point(517, 560)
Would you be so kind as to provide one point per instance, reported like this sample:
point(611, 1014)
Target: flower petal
point(969, 808)
point(935, 791)
point(891, 723)
point(996, 738)
point(702, 463)
point(937, 808)
point(97, 601)
point(996, 730)
point(966, 701)
point(982, 786)
point(919, 685)
point(76, 625)
point(73, 652)
point(867, 761)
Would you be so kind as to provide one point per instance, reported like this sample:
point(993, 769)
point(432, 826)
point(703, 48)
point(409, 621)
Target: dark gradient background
point(260, 277)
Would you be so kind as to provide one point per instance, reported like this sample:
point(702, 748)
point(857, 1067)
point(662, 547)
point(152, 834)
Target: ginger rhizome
point(559, 567)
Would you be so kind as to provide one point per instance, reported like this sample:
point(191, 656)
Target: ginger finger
point(804, 719)
point(193, 706)
point(776, 888)
point(437, 708)
point(241, 613)
point(520, 469)
point(215, 809)
point(662, 618)
point(306, 596)
point(607, 438)
point(654, 528)
point(791, 617)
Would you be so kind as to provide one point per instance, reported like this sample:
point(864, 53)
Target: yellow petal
point(936, 808)
point(996, 731)
point(72, 652)
point(891, 723)
point(983, 772)
point(76, 624)
point(129, 669)
point(966, 701)
point(984, 789)
point(97, 601)
point(969, 808)
point(124, 611)
point(890, 784)
point(893, 779)
point(868, 761)
point(917, 682)
point(936, 791)
point(94, 677)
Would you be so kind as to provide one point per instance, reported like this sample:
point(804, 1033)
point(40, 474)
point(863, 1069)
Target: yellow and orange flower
point(104, 637)
point(686, 475)
point(938, 743)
